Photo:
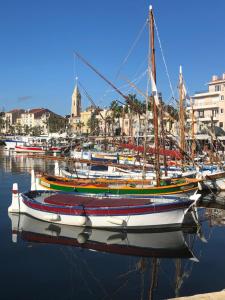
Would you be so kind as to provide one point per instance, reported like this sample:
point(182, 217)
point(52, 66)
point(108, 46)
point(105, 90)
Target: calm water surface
point(46, 261)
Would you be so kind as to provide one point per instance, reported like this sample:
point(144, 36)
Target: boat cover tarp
point(171, 153)
point(74, 200)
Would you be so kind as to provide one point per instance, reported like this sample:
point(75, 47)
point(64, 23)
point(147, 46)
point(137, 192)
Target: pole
point(155, 109)
point(181, 113)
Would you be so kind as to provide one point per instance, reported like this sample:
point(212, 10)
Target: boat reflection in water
point(214, 212)
point(145, 243)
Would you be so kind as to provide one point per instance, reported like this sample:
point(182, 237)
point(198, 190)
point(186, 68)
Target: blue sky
point(38, 40)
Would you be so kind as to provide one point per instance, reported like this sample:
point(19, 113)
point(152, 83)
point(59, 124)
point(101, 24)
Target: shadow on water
point(42, 260)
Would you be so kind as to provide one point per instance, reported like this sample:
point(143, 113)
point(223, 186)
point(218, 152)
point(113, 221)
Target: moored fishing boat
point(129, 212)
point(213, 180)
point(30, 149)
point(111, 172)
point(160, 243)
point(169, 186)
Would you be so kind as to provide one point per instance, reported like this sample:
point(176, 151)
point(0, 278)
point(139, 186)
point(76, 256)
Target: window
point(201, 113)
point(221, 111)
point(221, 124)
point(214, 112)
point(222, 98)
point(217, 88)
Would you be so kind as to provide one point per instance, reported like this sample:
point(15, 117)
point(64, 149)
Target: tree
point(55, 123)
point(93, 124)
point(2, 122)
point(134, 106)
point(80, 125)
point(116, 113)
point(18, 128)
point(36, 130)
point(26, 129)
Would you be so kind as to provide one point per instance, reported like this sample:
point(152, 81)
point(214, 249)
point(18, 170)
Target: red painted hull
point(29, 149)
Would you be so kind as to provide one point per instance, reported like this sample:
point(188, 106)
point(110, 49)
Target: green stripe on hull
point(131, 191)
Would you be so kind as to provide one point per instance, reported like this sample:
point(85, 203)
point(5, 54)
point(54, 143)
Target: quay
point(208, 296)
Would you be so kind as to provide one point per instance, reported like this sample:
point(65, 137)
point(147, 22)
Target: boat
point(12, 142)
point(212, 181)
point(169, 186)
point(111, 172)
point(161, 243)
point(30, 149)
point(102, 211)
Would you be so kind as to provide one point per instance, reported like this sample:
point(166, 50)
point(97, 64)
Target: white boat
point(214, 181)
point(30, 149)
point(166, 244)
point(101, 211)
point(112, 172)
point(12, 142)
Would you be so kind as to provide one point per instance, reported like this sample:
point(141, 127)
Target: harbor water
point(40, 260)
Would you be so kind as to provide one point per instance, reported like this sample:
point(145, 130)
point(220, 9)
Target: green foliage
point(56, 123)
point(36, 130)
point(93, 124)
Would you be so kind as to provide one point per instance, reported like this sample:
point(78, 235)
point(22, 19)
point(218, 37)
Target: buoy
point(82, 237)
point(79, 220)
point(52, 218)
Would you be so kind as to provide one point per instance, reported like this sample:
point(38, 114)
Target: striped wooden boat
point(175, 186)
point(30, 149)
point(102, 211)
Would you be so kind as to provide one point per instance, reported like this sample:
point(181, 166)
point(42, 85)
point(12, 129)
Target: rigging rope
point(132, 48)
point(164, 60)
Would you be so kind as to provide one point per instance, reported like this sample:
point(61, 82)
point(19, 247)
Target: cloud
point(24, 98)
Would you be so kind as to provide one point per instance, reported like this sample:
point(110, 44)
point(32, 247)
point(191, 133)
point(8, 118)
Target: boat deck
point(70, 200)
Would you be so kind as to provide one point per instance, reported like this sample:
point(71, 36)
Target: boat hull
point(106, 213)
point(130, 189)
point(23, 149)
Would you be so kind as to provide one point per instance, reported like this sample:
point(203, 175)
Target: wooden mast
point(156, 131)
point(155, 108)
point(181, 112)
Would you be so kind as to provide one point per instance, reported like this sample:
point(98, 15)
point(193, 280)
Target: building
point(209, 106)
point(20, 121)
point(75, 122)
point(10, 119)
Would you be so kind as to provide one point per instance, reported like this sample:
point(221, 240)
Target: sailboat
point(158, 186)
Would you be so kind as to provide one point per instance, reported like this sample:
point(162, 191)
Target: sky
point(38, 66)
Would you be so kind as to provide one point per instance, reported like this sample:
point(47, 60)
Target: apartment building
point(209, 106)
point(18, 120)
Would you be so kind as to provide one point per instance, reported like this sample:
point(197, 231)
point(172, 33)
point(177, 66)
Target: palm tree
point(2, 124)
point(93, 124)
point(79, 126)
point(134, 106)
point(116, 113)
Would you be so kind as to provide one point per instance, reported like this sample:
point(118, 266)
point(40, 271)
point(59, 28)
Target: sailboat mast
point(192, 131)
point(155, 108)
point(181, 111)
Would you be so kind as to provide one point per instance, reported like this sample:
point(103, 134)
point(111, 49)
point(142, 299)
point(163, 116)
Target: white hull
point(169, 218)
point(10, 145)
point(214, 181)
point(113, 174)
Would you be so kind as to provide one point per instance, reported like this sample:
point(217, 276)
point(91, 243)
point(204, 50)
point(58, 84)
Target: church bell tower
point(76, 102)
